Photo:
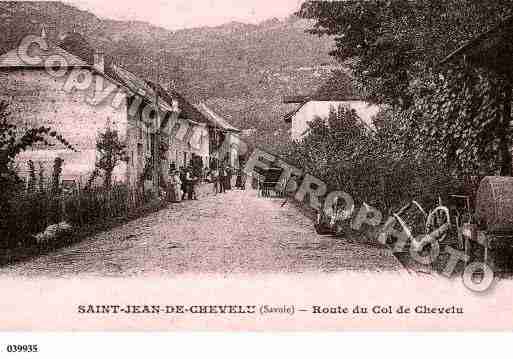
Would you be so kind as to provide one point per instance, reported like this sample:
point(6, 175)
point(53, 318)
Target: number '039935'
point(22, 348)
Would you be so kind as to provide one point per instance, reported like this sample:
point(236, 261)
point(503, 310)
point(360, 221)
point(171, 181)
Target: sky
point(179, 14)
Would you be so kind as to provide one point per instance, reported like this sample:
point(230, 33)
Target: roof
point(215, 119)
point(318, 97)
point(295, 99)
point(132, 82)
point(492, 49)
point(288, 116)
point(340, 86)
point(12, 58)
point(76, 44)
point(75, 50)
point(79, 53)
point(187, 110)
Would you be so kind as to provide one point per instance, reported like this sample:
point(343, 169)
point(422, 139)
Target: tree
point(378, 164)
point(394, 48)
point(111, 152)
point(338, 86)
point(334, 148)
point(13, 141)
point(459, 117)
point(390, 43)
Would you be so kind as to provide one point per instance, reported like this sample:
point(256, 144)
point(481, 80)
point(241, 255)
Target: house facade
point(76, 93)
point(190, 136)
point(308, 109)
point(224, 138)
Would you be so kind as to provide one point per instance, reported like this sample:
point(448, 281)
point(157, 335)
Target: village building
point(77, 91)
point(190, 136)
point(224, 138)
point(308, 108)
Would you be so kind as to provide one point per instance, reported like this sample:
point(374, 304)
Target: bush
point(377, 165)
point(32, 213)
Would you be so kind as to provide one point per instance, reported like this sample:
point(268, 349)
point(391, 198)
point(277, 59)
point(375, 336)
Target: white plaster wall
point(313, 109)
point(37, 99)
point(180, 144)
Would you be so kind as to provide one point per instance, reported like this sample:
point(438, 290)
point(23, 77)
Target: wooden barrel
point(494, 203)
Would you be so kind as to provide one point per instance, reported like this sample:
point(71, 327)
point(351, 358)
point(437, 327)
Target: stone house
point(79, 92)
point(190, 135)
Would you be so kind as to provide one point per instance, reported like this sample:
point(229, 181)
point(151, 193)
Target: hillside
point(241, 70)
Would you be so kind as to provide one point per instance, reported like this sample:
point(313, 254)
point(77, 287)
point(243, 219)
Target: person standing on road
point(195, 179)
point(238, 180)
point(189, 183)
point(229, 173)
point(222, 179)
point(214, 177)
point(175, 184)
point(183, 182)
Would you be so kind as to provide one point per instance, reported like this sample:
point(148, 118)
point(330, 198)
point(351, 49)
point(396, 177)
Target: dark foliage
point(394, 49)
point(375, 165)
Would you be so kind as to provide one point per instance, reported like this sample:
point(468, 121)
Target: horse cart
point(269, 185)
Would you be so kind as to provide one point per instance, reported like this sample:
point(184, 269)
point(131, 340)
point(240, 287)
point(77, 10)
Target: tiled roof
point(132, 82)
point(187, 110)
point(215, 119)
point(319, 97)
point(76, 44)
point(79, 53)
point(12, 58)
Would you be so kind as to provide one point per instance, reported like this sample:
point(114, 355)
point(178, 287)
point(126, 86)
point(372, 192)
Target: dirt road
point(236, 232)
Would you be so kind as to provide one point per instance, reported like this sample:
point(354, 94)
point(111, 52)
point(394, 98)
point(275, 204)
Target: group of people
point(222, 179)
point(183, 184)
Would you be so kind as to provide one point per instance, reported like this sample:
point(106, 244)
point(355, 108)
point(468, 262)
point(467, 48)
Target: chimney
point(99, 62)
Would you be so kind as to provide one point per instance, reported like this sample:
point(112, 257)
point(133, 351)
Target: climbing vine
point(15, 140)
point(458, 117)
